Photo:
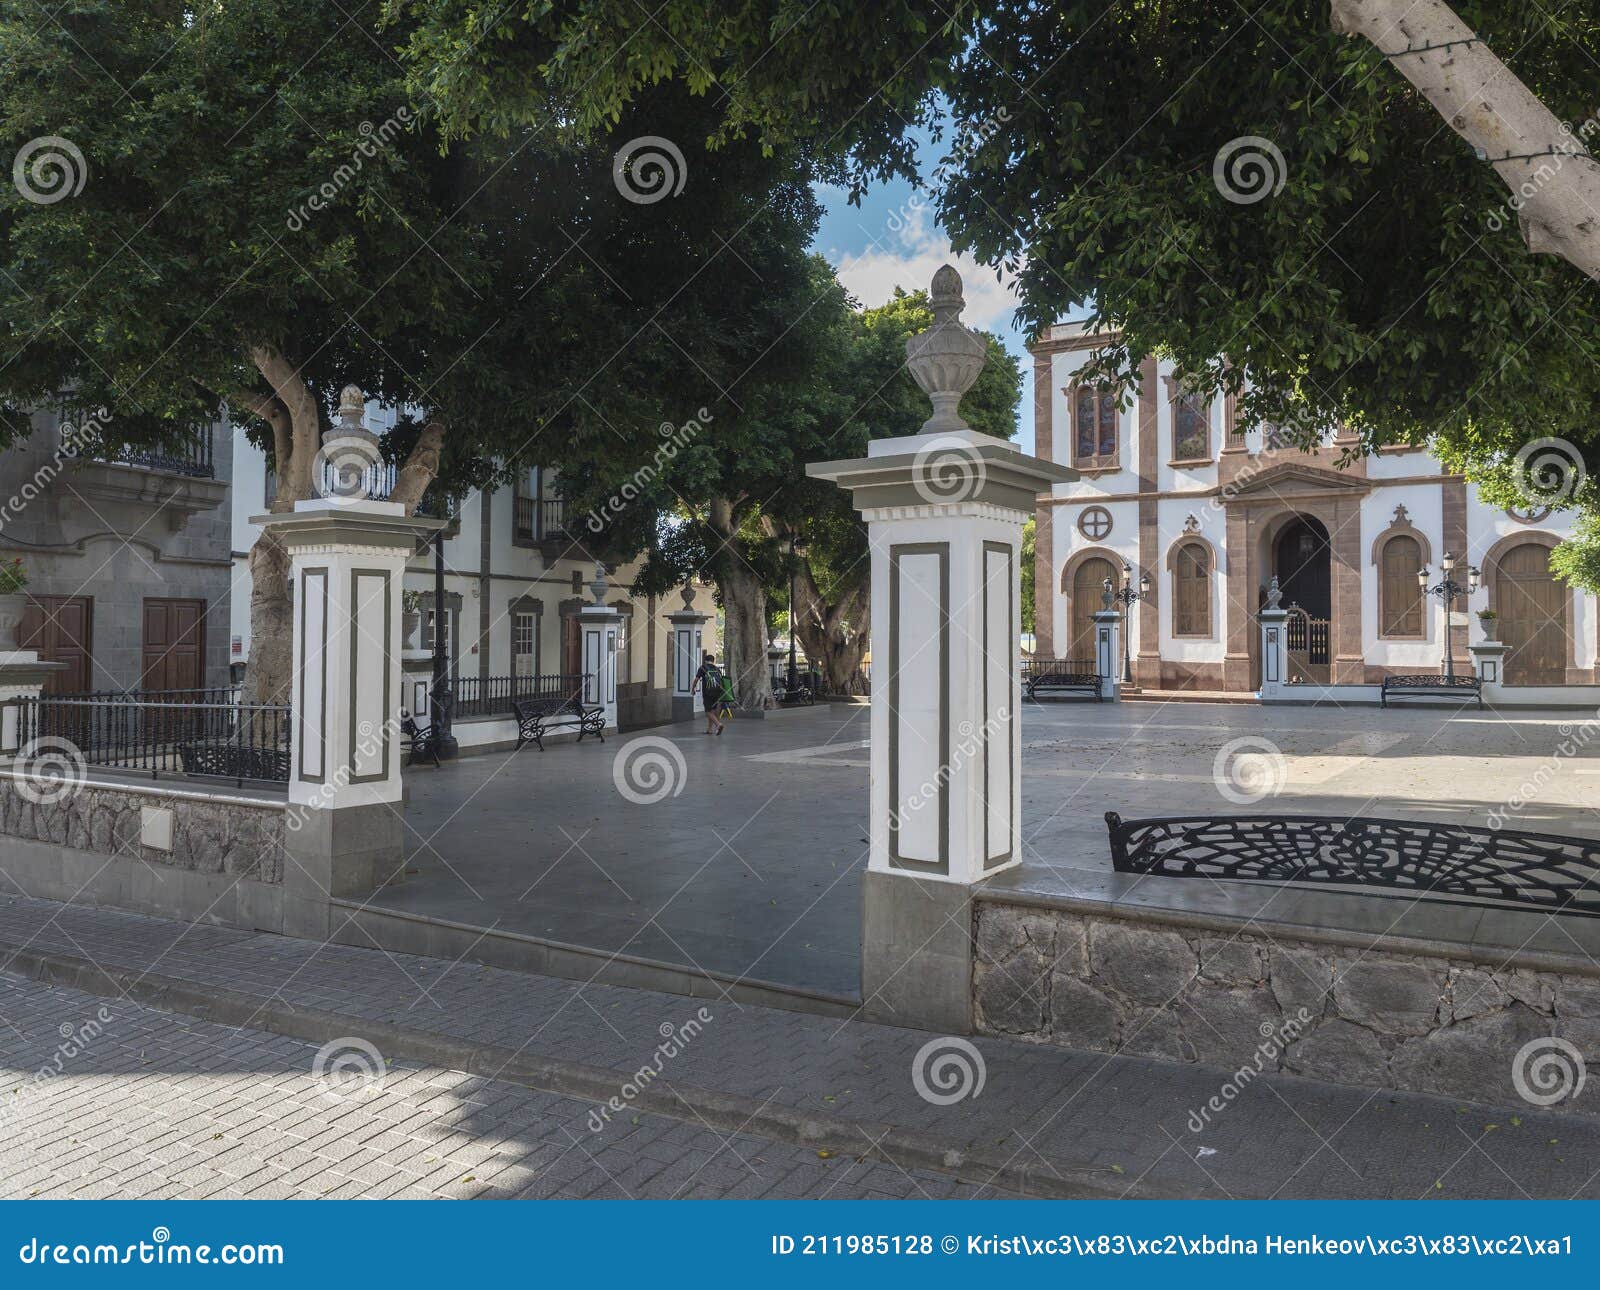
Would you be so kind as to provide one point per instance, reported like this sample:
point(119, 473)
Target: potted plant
point(410, 618)
point(13, 601)
point(1486, 620)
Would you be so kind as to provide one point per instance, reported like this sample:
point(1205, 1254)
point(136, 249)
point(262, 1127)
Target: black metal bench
point(1061, 678)
point(535, 717)
point(421, 741)
point(1452, 863)
point(1430, 685)
point(225, 760)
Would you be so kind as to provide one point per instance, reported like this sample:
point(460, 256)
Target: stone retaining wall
point(219, 835)
point(1370, 1017)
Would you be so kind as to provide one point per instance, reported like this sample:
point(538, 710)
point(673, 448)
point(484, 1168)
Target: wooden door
point(1087, 585)
point(61, 629)
point(174, 645)
point(1532, 603)
point(571, 646)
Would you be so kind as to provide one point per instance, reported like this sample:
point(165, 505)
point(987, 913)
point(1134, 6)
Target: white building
point(1179, 492)
point(514, 580)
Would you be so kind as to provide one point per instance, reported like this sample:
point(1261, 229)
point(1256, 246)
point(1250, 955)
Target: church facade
point(1176, 493)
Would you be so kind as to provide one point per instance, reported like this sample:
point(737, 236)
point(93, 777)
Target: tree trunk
point(270, 668)
point(835, 636)
point(744, 604)
point(1555, 189)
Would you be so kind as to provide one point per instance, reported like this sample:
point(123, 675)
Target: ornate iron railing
point(489, 696)
point(174, 732)
point(538, 518)
point(188, 454)
point(1447, 862)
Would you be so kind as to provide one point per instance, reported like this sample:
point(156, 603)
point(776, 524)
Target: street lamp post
point(1447, 589)
point(1127, 597)
point(792, 675)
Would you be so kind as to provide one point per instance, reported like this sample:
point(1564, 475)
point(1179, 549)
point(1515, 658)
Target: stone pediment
point(1295, 479)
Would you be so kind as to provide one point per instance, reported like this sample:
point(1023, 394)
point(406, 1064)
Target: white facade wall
point(1178, 501)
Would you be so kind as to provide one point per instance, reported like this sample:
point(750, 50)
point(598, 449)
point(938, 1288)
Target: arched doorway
point(1532, 604)
point(1088, 581)
point(1302, 561)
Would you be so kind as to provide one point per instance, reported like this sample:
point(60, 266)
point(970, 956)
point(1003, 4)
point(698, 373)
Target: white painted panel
point(312, 708)
point(592, 644)
point(918, 713)
point(373, 619)
point(999, 661)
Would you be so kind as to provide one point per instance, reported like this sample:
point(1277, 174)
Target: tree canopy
point(1369, 270)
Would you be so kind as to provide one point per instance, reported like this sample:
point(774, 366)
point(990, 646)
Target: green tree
point(1387, 284)
point(266, 215)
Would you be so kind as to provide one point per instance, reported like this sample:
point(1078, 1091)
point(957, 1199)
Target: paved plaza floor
point(749, 864)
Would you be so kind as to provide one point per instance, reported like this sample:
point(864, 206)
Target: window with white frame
point(524, 644)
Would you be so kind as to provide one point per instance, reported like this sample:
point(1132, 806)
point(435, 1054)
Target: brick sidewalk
point(1119, 1122)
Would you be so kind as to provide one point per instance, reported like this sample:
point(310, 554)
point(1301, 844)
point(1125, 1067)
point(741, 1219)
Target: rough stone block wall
point(1368, 1017)
point(216, 837)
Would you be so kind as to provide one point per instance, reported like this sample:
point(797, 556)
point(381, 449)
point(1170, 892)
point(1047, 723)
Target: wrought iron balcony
point(540, 519)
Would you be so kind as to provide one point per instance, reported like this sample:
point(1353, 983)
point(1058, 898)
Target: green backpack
point(719, 685)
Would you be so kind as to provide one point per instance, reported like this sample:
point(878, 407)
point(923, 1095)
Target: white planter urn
point(13, 604)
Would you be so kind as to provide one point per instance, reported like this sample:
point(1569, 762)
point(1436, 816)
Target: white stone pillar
point(1488, 661)
point(688, 647)
point(346, 829)
point(600, 630)
point(944, 512)
point(1274, 652)
point(22, 677)
point(1108, 651)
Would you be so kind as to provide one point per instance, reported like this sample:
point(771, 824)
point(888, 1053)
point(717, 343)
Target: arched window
point(1094, 426)
point(1399, 593)
point(1191, 590)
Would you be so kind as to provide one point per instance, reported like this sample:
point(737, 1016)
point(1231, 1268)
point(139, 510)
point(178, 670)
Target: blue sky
point(891, 240)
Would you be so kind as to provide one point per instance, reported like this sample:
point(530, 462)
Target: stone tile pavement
point(149, 1104)
point(1121, 1121)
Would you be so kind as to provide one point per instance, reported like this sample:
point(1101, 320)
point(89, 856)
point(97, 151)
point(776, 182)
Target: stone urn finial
point(351, 423)
point(688, 595)
point(1274, 594)
point(946, 359)
point(599, 586)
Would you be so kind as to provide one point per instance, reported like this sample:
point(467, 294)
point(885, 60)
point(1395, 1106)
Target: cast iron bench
point(534, 717)
point(421, 741)
point(1063, 678)
point(1430, 685)
point(225, 760)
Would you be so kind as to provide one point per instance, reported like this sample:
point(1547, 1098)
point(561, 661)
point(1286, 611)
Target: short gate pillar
point(22, 677)
point(1274, 646)
point(1108, 651)
point(688, 645)
point(601, 629)
point(346, 827)
point(944, 512)
point(1488, 661)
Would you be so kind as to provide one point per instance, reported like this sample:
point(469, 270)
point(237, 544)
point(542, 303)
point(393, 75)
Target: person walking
point(713, 686)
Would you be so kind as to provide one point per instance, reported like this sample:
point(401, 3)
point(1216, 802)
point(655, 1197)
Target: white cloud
point(908, 257)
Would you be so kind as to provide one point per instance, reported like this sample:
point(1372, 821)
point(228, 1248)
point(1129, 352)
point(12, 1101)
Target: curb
point(724, 1112)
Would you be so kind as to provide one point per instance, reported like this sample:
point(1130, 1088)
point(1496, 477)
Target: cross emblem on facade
point(1095, 523)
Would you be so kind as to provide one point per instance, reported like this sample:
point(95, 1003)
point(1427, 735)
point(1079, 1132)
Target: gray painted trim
point(306, 575)
point(1012, 646)
point(942, 550)
point(388, 668)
